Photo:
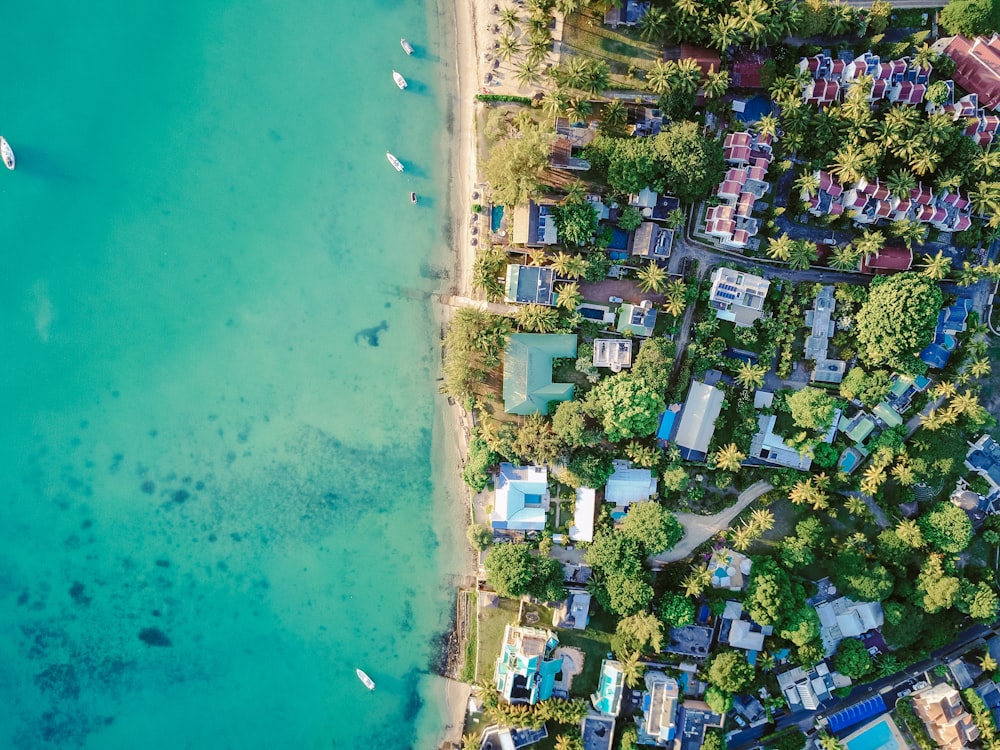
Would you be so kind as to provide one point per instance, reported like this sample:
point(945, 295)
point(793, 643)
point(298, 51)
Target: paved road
point(699, 529)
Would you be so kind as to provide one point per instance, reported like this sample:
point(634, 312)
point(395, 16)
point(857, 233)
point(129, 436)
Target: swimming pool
point(848, 461)
point(496, 218)
point(755, 108)
point(619, 239)
point(877, 736)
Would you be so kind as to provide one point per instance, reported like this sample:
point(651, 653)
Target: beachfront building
point(527, 371)
point(521, 498)
point(613, 353)
point(535, 225)
point(529, 285)
point(697, 422)
point(526, 669)
point(949, 725)
point(658, 725)
point(610, 687)
point(737, 296)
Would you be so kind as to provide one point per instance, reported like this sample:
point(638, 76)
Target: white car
point(618, 300)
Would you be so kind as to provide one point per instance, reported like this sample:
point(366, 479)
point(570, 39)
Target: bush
point(503, 98)
point(479, 537)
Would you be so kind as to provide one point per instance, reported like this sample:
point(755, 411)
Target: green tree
point(569, 297)
point(576, 222)
point(729, 457)
point(623, 594)
point(675, 297)
point(627, 406)
point(769, 595)
point(536, 318)
point(879, 15)
point(509, 569)
point(479, 537)
point(801, 626)
point(630, 218)
point(897, 321)
point(812, 408)
point(654, 23)
point(536, 442)
point(804, 254)
point(652, 278)
point(588, 468)
point(852, 659)
point(936, 267)
point(970, 17)
point(515, 165)
point(570, 425)
point(862, 579)
point(676, 610)
point(652, 527)
point(869, 389)
point(642, 633)
point(729, 671)
point(946, 528)
point(719, 701)
point(936, 590)
point(979, 601)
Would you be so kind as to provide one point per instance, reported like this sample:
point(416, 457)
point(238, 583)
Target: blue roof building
point(611, 683)
point(627, 485)
point(984, 459)
point(527, 667)
point(521, 498)
point(951, 322)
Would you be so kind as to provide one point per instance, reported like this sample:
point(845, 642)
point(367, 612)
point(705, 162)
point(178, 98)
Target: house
point(527, 666)
point(984, 459)
point(990, 694)
point(625, 13)
point(582, 529)
point(613, 353)
point(693, 641)
point(730, 570)
point(820, 320)
point(903, 389)
point(697, 423)
point(750, 709)
point(886, 415)
point(975, 505)
point(527, 371)
point(652, 241)
point(707, 59)
point(952, 320)
point(574, 612)
point(534, 225)
point(739, 630)
point(597, 732)
point(521, 498)
point(746, 69)
point(637, 320)
point(658, 725)
point(949, 725)
point(770, 447)
point(737, 296)
point(694, 717)
point(887, 260)
point(807, 689)
point(858, 427)
point(529, 284)
point(496, 736)
point(964, 672)
point(841, 618)
point(562, 157)
point(977, 66)
point(627, 485)
point(731, 222)
point(610, 686)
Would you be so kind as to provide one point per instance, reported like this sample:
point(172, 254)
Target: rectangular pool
point(878, 736)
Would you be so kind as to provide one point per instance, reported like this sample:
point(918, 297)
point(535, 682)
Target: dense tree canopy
point(862, 579)
point(730, 671)
point(641, 633)
point(971, 17)
point(576, 221)
point(621, 583)
point(812, 408)
point(904, 623)
point(769, 595)
point(514, 571)
point(852, 659)
point(515, 165)
point(946, 528)
point(652, 527)
point(936, 589)
point(867, 388)
point(897, 321)
point(676, 610)
point(570, 425)
point(627, 405)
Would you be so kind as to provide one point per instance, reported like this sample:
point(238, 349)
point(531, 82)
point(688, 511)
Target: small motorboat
point(394, 161)
point(407, 47)
point(6, 153)
point(413, 197)
point(368, 681)
point(398, 78)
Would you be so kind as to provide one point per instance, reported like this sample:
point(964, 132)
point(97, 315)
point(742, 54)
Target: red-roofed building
point(888, 260)
point(821, 92)
point(907, 93)
point(977, 66)
point(707, 59)
point(745, 71)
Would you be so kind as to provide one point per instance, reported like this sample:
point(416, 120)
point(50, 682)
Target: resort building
point(731, 223)
point(613, 353)
point(627, 485)
point(952, 321)
point(659, 710)
point(819, 319)
point(521, 499)
point(527, 371)
point(534, 225)
point(574, 612)
point(738, 630)
point(772, 448)
point(737, 296)
point(610, 686)
point(527, 666)
point(529, 284)
point(697, 422)
point(977, 62)
point(948, 723)
point(897, 81)
point(841, 618)
point(858, 427)
point(887, 260)
point(505, 738)
point(984, 459)
point(637, 320)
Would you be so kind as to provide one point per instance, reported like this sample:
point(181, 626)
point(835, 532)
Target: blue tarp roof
point(666, 425)
point(857, 713)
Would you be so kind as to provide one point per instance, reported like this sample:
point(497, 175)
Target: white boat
point(6, 152)
point(413, 197)
point(398, 78)
point(407, 47)
point(368, 681)
point(392, 160)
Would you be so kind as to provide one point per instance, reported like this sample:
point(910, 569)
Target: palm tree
point(870, 243)
point(985, 198)
point(844, 258)
point(729, 457)
point(653, 23)
point(725, 33)
point(688, 76)
point(856, 507)
point(632, 669)
point(660, 76)
point(598, 77)
point(804, 253)
point(575, 73)
point(943, 389)
point(767, 125)
point(762, 520)
point(979, 368)
point(741, 538)
point(675, 219)
point(569, 297)
point(873, 478)
point(936, 267)
point(613, 115)
point(909, 231)
point(566, 7)
point(509, 47)
point(578, 110)
point(849, 165)
point(987, 663)
point(966, 402)
point(563, 742)
point(750, 375)
point(527, 74)
point(805, 491)
point(716, 84)
point(652, 278)
point(676, 297)
point(697, 580)
point(780, 248)
point(968, 275)
point(900, 183)
point(924, 160)
point(554, 102)
point(908, 531)
point(509, 19)
point(904, 474)
point(807, 184)
point(536, 318)
point(932, 420)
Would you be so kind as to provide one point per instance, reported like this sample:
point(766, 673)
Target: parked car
point(618, 300)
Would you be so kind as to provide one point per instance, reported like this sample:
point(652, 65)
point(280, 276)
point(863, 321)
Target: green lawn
point(469, 666)
point(595, 642)
point(492, 622)
point(585, 34)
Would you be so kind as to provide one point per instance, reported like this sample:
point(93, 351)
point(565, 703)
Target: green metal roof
point(887, 414)
point(527, 371)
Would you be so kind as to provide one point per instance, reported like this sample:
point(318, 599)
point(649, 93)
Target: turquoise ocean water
point(219, 492)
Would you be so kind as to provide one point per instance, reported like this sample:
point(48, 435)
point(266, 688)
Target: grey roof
point(697, 425)
point(526, 284)
point(597, 732)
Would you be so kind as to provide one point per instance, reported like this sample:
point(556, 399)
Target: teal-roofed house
point(888, 416)
point(637, 320)
point(521, 498)
point(527, 667)
point(611, 683)
point(858, 427)
point(527, 371)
